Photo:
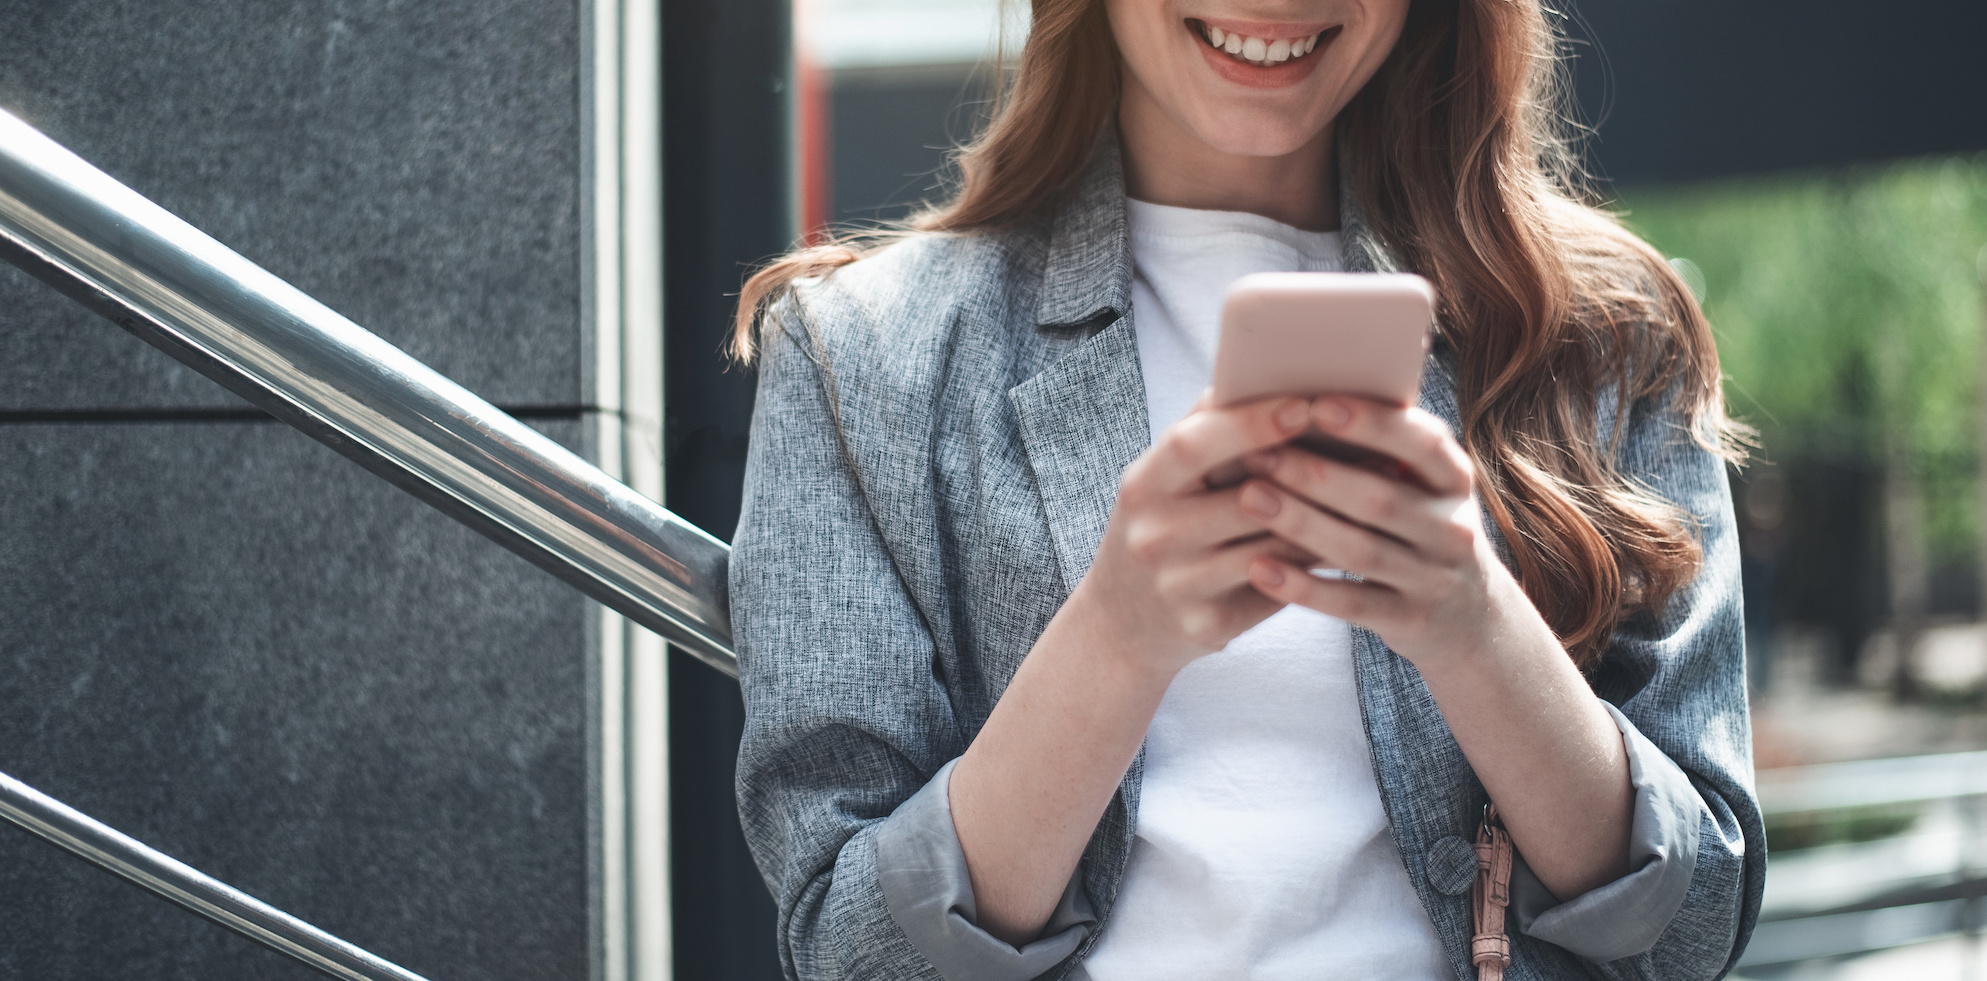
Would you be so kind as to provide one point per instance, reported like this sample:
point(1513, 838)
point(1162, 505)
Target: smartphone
point(1305, 334)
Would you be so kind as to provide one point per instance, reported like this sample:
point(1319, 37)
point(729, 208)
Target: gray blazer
point(940, 432)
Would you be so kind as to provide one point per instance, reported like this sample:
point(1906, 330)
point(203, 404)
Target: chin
point(1255, 143)
point(1256, 134)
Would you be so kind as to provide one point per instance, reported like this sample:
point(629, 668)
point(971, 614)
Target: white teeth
point(1260, 50)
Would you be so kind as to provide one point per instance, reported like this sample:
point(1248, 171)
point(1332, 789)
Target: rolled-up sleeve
point(930, 894)
point(1626, 916)
point(1676, 680)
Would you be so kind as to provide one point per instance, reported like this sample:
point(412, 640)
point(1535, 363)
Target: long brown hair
point(1457, 152)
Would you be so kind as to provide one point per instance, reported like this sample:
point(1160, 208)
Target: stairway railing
point(158, 277)
point(175, 880)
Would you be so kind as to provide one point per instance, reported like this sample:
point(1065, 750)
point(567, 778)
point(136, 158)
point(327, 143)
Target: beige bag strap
point(1491, 948)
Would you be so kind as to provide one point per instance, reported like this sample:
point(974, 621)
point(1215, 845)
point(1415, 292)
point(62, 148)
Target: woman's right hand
point(1169, 584)
point(1171, 577)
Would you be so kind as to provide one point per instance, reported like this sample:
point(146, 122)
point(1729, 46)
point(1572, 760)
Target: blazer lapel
point(1082, 421)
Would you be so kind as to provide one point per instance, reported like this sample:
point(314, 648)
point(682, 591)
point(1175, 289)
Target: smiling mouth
point(1261, 52)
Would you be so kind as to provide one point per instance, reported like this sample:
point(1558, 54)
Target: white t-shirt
point(1262, 850)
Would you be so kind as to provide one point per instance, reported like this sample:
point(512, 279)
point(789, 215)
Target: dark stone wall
point(223, 638)
point(413, 165)
point(230, 643)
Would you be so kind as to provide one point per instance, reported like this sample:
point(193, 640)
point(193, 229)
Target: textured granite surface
point(234, 645)
point(413, 165)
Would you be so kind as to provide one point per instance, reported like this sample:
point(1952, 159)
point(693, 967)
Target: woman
point(1026, 696)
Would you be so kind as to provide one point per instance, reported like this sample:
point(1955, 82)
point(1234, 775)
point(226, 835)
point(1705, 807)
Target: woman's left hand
point(1433, 589)
point(1429, 583)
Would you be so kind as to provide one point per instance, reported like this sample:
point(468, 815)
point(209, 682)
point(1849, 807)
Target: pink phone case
point(1362, 334)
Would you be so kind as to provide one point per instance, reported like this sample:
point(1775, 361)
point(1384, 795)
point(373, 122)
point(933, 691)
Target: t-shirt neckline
point(1171, 225)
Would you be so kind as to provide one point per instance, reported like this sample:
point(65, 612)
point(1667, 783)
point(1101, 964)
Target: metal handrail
point(1907, 904)
point(160, 278)
point(179, 882)
point(1872, 783)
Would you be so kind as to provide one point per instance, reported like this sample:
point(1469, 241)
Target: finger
point(1190, 524)
point(1224, 569)
point(1217, 598)
point(1363, 603)
point(1184, 454)
point(1411, 435)
point(1334, 540)
point(1399, 509)
point(1215, 624)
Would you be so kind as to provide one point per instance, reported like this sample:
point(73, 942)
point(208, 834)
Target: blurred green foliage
point(1786, 833)
point(1848, 310)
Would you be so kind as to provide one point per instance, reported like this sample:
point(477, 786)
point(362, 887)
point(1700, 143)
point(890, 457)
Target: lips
point(1261, 55)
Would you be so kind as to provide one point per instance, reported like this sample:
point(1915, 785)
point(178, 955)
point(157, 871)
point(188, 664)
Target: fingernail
point(1257, 498)
point(1333, 414)
point(1269, 574)
point(1290, 416)
point(1261, 461)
